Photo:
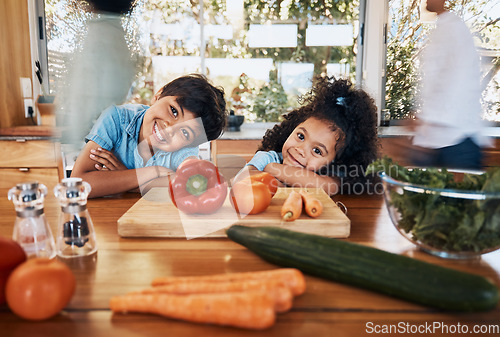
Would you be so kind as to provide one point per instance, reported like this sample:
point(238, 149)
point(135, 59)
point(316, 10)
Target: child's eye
point(174, 111)
point(300, 136)
point(317, 151)
point(185, 134)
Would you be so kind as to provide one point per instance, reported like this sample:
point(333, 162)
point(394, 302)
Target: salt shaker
point(31, 229)
point(75, 233)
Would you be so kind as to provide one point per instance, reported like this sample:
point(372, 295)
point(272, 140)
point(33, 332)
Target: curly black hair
point(351, 112)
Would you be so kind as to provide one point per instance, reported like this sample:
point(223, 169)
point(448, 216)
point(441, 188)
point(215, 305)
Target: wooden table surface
point(326, 309)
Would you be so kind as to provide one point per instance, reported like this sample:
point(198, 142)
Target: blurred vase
point(234, 121)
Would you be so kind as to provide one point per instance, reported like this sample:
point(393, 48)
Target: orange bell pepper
point(253, 195)
point(268, 179)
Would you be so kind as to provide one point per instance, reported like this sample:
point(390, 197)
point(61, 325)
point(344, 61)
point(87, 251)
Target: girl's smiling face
point(311, 145)
point(169, 127)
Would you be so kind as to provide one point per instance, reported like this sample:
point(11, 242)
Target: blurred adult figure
point(100, 74)
point(449, 132)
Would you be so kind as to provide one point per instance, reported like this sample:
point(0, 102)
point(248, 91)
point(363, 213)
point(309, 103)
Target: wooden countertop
point(326, 309)
point(29, 131)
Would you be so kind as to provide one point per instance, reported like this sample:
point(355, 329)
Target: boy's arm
point(158, 182)
point(108, 182)
point(299, 177)
point(162, 181)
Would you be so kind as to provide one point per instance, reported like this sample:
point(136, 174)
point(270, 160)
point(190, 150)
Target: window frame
point(370, 61)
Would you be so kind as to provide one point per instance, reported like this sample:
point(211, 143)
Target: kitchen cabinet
point(398, 149)
point(492, 154)
point(231, 152)
point(231, 155)
point(25, 159)
point(15, 60)
point(235, 153)
point(244, 148)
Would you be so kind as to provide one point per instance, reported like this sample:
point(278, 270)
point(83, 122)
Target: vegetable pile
point(247, 300)
point(446, 223)
point(370, 268)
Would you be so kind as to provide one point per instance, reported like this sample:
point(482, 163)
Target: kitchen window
point(263, 53)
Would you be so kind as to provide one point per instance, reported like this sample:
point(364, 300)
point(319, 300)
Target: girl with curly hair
point(326, 143)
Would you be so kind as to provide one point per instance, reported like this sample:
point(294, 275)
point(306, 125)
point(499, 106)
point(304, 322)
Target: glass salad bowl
point(451, 214)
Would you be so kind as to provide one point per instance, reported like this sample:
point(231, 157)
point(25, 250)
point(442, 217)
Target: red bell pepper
point(198, 187)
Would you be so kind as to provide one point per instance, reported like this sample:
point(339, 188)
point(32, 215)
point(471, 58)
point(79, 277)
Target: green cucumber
point(369, 268)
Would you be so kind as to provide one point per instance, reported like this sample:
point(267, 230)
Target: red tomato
point(11, 255)
point(268, 179)
point(39, 288)
point(250, 197)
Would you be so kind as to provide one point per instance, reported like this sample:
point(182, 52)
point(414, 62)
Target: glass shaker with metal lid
point(31, 229)
point(75, 234)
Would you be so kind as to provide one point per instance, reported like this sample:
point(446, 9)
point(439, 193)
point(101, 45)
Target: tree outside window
point(166, 36)
point(407, 37)
point(169, 43)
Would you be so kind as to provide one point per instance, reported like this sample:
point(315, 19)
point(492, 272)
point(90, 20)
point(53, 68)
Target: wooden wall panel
point(15, 60)
point(492, 154)
point(398, 147)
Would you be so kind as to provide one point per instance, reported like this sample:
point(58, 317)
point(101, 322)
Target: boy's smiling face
point(168, 127)
point(311, 145)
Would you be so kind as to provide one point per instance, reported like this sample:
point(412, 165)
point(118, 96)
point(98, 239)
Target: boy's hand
point(106, 160)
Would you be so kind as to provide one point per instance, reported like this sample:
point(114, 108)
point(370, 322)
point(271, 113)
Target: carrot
point(251, 310)
point(312, 205)
point(292, 207)
point(279, 292)
point(292, 277)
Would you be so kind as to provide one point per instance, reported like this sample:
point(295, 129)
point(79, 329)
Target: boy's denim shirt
point(117, 130)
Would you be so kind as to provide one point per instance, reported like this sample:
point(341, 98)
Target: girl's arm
point(299, 177)
point(108, 182)
point(244, 173)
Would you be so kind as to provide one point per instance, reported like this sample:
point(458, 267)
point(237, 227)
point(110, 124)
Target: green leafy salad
point(448, 223)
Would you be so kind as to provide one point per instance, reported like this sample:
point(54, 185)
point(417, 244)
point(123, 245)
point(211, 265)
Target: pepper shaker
point(75, 234)
point(31, 229)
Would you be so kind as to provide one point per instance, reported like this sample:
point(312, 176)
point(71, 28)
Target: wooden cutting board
point(154, 215)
